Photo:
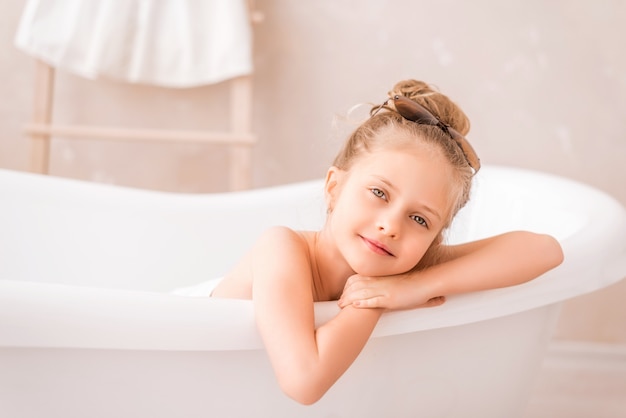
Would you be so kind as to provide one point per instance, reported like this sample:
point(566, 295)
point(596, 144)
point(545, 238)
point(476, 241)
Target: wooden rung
point(42, 114)
point(128, 134)
point(240, 168)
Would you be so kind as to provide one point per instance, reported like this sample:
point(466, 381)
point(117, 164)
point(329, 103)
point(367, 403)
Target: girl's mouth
point(376, 246)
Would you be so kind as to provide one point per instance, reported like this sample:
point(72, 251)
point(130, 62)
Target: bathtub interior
point(501, 203)
point(64, 231)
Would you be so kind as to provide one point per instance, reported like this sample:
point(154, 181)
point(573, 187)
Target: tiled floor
point(581, 381)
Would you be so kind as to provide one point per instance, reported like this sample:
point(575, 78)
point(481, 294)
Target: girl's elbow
point(304, 392)
point(306, 399)
point(552, 250)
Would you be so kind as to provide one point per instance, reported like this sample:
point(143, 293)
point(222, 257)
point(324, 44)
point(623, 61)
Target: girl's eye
point(419, 220)
point(378, 193)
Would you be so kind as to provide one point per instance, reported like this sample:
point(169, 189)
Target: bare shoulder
point(273, 251)
point(282, 247)
point(281, 266)
point(280, 233)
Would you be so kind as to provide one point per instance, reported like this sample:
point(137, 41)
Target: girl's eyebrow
point(433, 213)
point(423, 207)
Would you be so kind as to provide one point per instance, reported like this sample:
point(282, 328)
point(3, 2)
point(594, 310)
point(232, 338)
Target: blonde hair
point(367, 138)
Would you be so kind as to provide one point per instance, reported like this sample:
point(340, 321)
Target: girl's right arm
point(306, 361)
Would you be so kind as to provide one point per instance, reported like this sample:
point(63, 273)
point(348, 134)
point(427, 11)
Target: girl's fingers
point(350, 297)
point(353, 281)
point(368, 303)
point(379, 302)
point(363, 298)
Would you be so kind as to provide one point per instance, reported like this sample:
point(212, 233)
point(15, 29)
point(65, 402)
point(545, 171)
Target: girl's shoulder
point(280, 233)
point(284, 239)
point(281, 260)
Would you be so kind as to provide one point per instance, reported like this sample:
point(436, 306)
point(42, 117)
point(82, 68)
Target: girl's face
point(387, 209)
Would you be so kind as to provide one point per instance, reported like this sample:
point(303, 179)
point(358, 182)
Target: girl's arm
point(503, 260)
point(306, 361)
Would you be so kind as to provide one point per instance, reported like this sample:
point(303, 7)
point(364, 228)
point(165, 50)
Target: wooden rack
point(240, 138)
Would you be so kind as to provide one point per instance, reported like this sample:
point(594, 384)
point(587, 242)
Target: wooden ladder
point(239, 138)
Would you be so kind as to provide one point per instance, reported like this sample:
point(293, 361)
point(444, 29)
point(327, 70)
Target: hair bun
point(437, 103)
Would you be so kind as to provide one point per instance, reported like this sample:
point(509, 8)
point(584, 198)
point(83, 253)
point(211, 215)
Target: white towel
point(173, 43)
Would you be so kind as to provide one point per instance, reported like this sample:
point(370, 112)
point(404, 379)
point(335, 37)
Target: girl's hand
point(389, 292)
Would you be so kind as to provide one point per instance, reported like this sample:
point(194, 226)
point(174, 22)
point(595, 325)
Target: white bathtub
point(88, 329)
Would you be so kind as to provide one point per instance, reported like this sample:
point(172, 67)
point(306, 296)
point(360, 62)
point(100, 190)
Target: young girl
point(393, 189)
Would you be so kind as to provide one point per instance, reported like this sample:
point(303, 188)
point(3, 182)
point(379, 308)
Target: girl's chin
point(369, 271)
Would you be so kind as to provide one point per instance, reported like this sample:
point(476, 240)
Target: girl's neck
point(328, 267)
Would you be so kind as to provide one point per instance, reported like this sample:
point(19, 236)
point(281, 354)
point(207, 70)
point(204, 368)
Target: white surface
point(174, 43)
point(85, 317)
point(580, 380)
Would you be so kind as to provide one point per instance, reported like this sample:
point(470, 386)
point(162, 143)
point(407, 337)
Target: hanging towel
point(173, 43)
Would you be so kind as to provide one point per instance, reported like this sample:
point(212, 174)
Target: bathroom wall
point(544, 83)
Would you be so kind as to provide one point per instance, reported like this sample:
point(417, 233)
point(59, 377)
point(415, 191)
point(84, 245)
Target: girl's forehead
point(398, 139)
point(405, 166)
point(416, 173)
point(392, 156)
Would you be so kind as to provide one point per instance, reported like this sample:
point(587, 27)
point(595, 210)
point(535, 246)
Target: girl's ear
point(331, 188)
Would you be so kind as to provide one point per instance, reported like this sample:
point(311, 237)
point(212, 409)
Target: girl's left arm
point(500, 261)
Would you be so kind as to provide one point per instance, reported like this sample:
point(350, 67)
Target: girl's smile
point(376, 247)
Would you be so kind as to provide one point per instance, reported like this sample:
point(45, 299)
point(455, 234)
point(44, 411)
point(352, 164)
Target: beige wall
point(543, 82)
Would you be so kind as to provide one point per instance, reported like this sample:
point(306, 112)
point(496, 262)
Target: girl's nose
point(387, 225)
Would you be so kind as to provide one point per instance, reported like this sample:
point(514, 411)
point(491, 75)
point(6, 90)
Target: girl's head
point(389, 130)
